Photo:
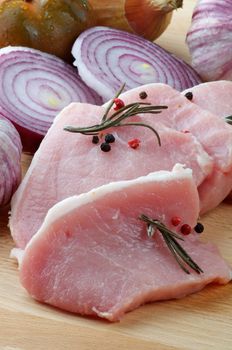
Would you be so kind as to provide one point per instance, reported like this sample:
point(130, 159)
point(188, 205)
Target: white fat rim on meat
point(141, 88)
point(208, 84)
point(17, 254)
point(69, 204)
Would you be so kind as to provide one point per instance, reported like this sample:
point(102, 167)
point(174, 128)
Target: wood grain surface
point(199, 322)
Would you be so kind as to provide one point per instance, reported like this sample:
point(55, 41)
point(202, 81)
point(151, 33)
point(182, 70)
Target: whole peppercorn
point(109, 138)
point(134, 143)
point(118, 104)
point(176, 220)
point(105, 147)
point(95, 139)
point(199, 228)
point(143, 95)
point(189, 95)
point(185, 229)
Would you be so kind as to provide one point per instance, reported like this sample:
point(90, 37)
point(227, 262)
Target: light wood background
point(199, 322)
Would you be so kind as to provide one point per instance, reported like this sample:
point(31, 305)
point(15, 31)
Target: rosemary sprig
point(170, 239)
point(117, 118)
point(112, 103)
point(132, 107)
point(229, 119)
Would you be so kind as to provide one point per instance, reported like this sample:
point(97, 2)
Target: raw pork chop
point(214, 96)
point(210, 130)
point(92, 255)
point(67, 164)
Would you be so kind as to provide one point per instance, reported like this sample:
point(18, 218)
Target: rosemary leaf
point(229, 119)
point(160, 226)
point(185, 257)
point(112, 103)
point(146, 126)
point(126, 108)
point(170, 238)
point(146, 108)
point(172, 250)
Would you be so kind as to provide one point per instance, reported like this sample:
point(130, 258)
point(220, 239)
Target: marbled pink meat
point(67, 164)
point(211, 131)
point(92, 255)
point(216, 97)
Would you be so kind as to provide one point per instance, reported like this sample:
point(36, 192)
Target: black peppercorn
point(105, 147)
point(143, 95)
point(95, 139)
point(189, 95)
point(199, 228)
point(109, 138)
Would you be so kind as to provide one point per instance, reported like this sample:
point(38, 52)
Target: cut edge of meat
point(17, 254)
point(61, 209)
point(167, 292)
point(210, 184)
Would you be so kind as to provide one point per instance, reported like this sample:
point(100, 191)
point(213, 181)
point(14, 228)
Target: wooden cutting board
point(201, 321)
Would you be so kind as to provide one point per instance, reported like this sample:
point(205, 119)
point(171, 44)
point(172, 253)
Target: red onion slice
point(35, 87)
point(106, 58)
point(10, 156)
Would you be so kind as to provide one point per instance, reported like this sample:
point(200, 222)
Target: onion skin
point(10, 160)
point(209, 39)
point(47, 25)
point(129, 15)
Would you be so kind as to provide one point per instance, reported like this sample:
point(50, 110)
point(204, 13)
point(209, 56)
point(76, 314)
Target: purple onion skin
point(10, 160)
point(209, 39)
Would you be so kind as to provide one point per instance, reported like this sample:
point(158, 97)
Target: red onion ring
point(106, 58)
point(10, 156)
point(35, 87)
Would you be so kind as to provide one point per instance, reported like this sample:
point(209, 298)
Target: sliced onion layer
point(106, 58)
point(35, 87)
point(10, 157)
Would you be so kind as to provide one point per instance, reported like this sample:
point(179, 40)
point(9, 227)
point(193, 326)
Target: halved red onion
point(10, 157)
point(35, 87)
point(106, 58)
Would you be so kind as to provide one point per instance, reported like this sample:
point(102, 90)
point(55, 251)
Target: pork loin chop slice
point(67, 164)
point(216, 97)
point(211, 131)
point(92, 255)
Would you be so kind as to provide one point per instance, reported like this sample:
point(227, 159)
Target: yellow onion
point(148, 18)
